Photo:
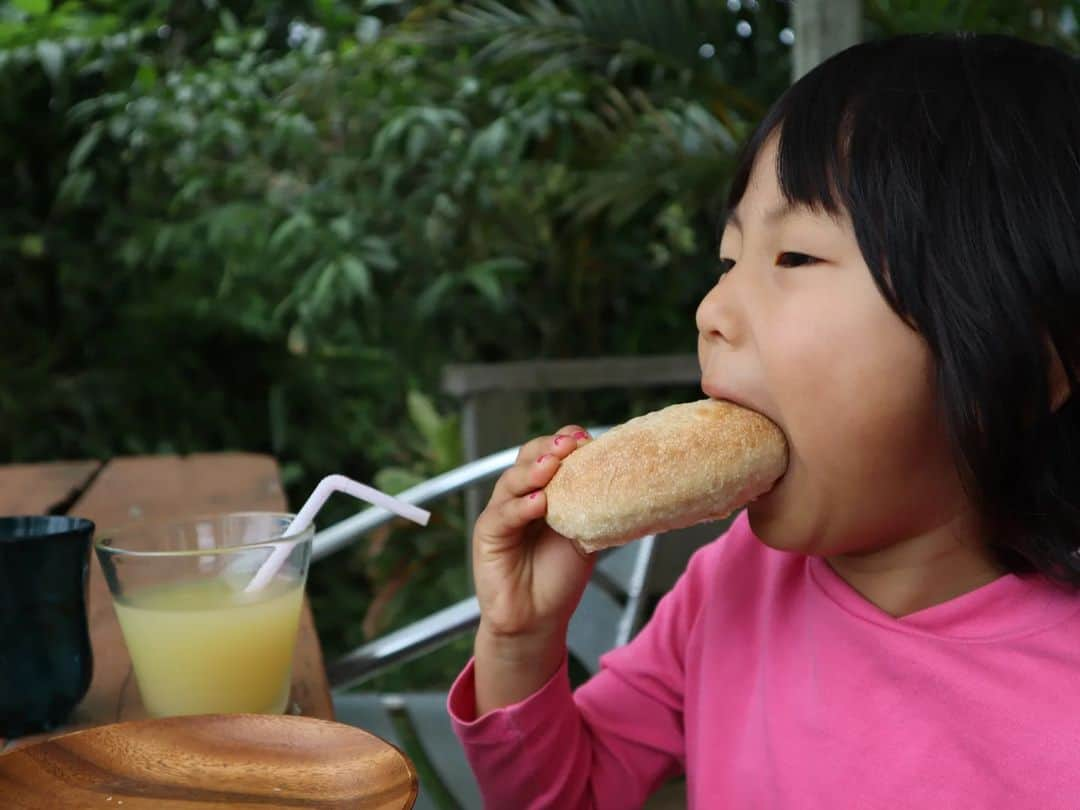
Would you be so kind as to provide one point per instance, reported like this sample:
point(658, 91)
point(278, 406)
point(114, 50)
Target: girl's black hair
point(957, 157)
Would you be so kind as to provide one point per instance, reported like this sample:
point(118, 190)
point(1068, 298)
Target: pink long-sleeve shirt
point(773, 684)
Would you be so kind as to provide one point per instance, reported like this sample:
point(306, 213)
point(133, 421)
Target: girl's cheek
point(803, 364)
point(833, 382)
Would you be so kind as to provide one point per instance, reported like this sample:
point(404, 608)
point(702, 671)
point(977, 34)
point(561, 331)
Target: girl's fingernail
point(540, 460)
point(560, 436)
point(581, 434)
point(534, 495)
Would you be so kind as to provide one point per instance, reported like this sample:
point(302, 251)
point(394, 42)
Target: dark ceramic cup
point(45, 661)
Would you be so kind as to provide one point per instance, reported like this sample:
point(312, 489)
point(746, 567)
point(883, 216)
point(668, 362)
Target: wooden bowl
point(218, 760)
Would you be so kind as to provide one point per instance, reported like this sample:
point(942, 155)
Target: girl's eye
point(725, 266)
point(790, 259)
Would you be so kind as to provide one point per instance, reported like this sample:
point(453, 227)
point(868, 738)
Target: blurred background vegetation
point(266, 225)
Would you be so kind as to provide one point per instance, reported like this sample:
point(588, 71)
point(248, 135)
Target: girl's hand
point(529, 579)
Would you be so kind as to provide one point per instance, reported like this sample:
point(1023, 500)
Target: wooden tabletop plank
point(36, 489)
point(163, 487)
point(160, 488)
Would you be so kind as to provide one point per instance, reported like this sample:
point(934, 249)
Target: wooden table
point(127, 490)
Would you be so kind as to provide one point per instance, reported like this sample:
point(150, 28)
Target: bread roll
point(671, 468)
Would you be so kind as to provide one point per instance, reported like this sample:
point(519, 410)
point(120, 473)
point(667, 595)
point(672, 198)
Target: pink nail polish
point(581, 434)
point(560, 436)
point(534, 495)
point(541, 459)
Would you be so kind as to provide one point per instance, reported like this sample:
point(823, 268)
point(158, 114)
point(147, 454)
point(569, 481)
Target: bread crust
point(684, 464)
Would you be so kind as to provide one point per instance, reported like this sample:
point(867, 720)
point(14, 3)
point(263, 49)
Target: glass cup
point(45, 659)
point(199, 642)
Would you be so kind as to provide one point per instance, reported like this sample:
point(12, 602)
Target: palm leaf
point(540, 32)
point(668, 33)
point(683, 152)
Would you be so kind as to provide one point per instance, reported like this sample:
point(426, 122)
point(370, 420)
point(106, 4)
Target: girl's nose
point(717, 314)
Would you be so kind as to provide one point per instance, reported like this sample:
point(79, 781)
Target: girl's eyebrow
point(772, 216)
point(781, 211)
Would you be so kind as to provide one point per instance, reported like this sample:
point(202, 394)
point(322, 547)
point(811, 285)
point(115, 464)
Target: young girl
point(897, 624)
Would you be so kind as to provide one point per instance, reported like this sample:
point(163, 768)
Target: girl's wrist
point(509, 669)
point(521, 649)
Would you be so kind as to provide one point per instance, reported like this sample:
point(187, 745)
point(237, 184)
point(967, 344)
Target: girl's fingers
point(531, 450)
point(505, 520)
point(526, 477)
point(535, 467)
point(576, 432)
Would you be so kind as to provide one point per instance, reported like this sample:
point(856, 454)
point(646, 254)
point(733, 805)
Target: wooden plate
point(210, 761)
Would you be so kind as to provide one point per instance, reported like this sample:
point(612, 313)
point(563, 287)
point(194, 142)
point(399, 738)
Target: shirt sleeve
point(606, 746)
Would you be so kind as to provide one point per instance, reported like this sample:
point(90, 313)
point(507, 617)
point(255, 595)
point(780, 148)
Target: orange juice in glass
point(200, 641)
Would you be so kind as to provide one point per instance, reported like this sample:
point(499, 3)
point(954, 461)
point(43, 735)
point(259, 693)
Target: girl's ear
point(1060, 387)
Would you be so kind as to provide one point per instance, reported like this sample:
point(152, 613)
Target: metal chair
point(609, 614)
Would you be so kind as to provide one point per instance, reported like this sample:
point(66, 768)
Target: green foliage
point(268, 224)
point(1053, 22)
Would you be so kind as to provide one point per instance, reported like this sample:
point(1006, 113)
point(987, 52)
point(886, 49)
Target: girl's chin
point(768, 502)
point(760, 515)
point(770, 518)
point(772, 533)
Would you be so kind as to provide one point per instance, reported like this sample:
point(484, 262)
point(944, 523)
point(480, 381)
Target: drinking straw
point(315, 501)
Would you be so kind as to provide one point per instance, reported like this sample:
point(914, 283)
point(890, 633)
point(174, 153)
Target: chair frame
point(620, 581)
point(463, 617)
